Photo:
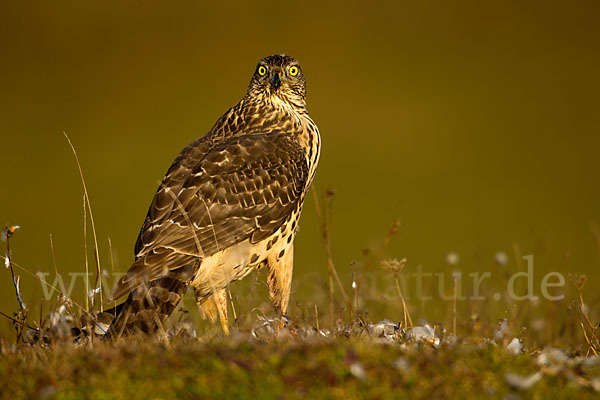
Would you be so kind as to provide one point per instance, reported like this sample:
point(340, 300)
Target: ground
point(286, 362)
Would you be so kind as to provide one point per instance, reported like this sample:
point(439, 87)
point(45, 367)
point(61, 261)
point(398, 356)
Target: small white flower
point(501, 259)
point(452, 258)
point(354, 285)
point(500, 332)
point(6, 261)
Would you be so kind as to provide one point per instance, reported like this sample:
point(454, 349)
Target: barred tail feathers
point(149, 305)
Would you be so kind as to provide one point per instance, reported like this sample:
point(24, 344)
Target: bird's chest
point(239, 260)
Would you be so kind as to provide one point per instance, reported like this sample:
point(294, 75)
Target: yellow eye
point(262, 71)
point(293, 71)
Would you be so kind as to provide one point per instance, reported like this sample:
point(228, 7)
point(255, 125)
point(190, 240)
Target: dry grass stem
point(579, 281)
point(396, 267)
point(85, 252)
point(391, 232)
point(454, 307)
point(325, 220)
point(53, 255)
point(89, 206)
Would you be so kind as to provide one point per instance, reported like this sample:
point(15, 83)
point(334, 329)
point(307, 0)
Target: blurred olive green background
point(475, 123)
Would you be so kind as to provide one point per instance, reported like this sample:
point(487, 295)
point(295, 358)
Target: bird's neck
point(259, 116)
point(263, 116)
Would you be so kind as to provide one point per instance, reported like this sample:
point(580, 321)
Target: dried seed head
point(579, 280)
point(393, 265)
point(62, 299)
point(330, 192)
point(395, 226)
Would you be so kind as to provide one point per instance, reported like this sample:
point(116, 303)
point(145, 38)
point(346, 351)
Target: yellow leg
point(213, 306)
point(279, 279)
point(221, 301)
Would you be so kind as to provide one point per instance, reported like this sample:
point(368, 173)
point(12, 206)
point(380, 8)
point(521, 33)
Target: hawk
point(228, 205)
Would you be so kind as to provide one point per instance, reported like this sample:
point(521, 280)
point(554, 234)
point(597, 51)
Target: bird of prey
point(228, 205)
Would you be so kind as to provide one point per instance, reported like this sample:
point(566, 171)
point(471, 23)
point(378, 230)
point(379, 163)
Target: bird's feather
point(242, 188)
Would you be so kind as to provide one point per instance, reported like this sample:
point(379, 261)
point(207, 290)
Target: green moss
point(293, 369)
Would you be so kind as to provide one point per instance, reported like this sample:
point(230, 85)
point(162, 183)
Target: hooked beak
point(276, 81)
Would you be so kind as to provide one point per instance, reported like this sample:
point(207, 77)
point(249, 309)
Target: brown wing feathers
point(244, 187)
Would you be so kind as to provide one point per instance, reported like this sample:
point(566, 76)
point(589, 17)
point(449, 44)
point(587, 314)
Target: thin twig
point(22, 315)
point(355, 289)
point(589, 324)
point(397, 267)
point(46, 283)
point(579, 282)
point(22, 323)
point(327, 242)
point(587, 339)
point(392, 231)
point(8, 233)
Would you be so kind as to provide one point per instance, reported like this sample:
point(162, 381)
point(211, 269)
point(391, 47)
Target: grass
point(330, 348)
point(243, 367)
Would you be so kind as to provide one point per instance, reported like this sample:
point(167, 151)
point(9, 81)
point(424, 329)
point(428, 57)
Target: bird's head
point(279, 77)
